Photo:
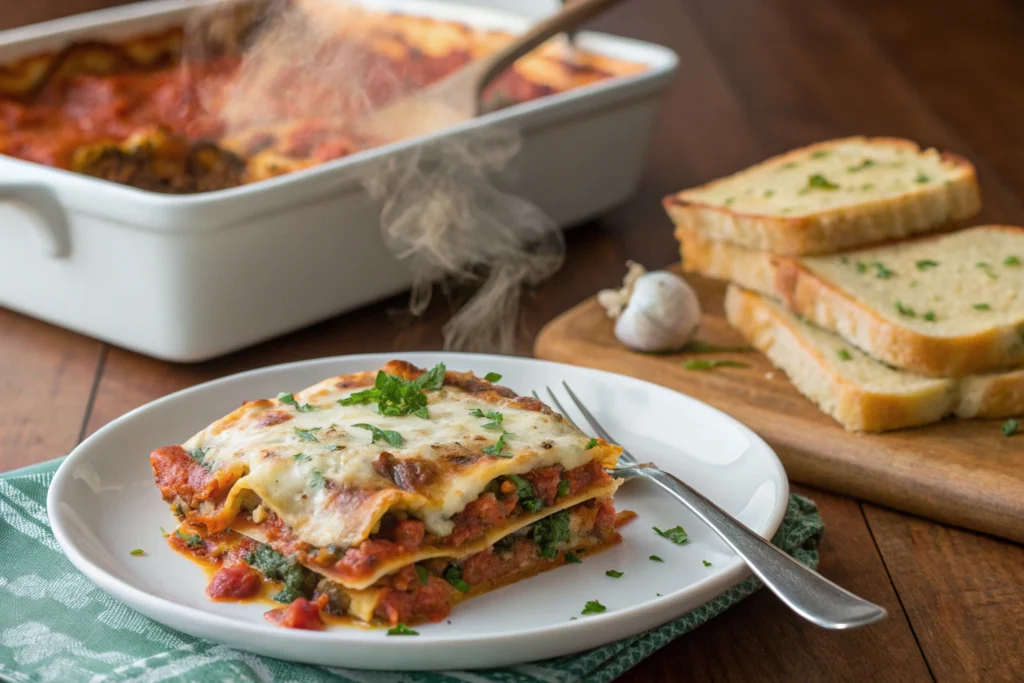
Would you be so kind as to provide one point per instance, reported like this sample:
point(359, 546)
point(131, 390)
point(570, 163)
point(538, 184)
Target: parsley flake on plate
point(402, 630)
point(611, 573)
point(676, 534)
point(593, 607)
point(492, 377)
point(903, 309)
point(655, 558)
point(137, 552)
point(925, 264)
point(982, 307)
point(392, 437)
point(844, 354)
point(706, 563)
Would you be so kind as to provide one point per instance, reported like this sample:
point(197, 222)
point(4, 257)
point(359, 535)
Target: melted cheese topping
point(316, 469)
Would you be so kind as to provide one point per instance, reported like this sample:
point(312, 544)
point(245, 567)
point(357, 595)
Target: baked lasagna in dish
point(386, 497)
point(250, 92)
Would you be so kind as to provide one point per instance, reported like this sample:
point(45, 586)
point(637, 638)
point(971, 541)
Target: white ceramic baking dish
point(189, 277)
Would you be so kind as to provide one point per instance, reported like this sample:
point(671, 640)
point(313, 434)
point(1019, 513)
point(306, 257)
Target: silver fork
point(803, 590)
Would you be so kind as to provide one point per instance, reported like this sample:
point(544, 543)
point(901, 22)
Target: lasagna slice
point(386, 496)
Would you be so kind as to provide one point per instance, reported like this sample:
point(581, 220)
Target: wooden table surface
point(755, 78)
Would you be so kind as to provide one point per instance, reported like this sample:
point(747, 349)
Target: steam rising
point(444, 211)
point(444, 214)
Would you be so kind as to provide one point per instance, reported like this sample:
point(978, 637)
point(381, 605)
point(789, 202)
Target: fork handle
point(806, 592)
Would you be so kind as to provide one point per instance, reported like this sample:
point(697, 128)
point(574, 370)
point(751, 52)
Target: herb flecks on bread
point(859, 392)
point(831, 196)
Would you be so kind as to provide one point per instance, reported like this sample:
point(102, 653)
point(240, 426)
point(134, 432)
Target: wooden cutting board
point(963, 472)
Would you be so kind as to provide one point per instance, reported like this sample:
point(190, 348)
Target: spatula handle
point(569, 17)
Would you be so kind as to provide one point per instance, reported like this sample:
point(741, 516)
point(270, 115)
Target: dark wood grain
point(962, 472)
point(755, 78)
point(760, 640)
point(963, 593)
point(47, 376)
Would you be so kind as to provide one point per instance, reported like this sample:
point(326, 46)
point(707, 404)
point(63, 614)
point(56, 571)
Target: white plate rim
point(673, 605)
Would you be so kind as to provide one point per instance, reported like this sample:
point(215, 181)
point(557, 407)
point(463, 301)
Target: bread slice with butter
point(857, 391)
point(832, 196)
point(946, 306)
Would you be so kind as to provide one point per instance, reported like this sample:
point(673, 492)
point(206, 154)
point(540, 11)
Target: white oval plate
point(103, 503)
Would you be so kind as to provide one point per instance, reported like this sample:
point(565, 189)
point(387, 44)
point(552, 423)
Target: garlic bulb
point(656, 311)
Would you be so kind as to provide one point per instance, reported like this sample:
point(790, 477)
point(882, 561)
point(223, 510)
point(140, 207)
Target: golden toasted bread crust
point(831, 230)
point(855, 407)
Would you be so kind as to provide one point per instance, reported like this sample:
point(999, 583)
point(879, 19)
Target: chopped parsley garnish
point(706, 563)
point(492, 377)
point(593, 607)
point(844, 354)
point(862, 267)
point(453, 575)
point(614, 574)
point(820, 182)
point(929, 316)
point(729, 201)
point(422, 574)
point(867, 163)
point(570, 558)
point(881, 272)
point(563, 488)
point(498, 446)
point(904, 310)
point(524, 490)
point(921, 178)
point(676, 534)
point(163, 532)
point(317, 480)
point(302, 457)
point(307, 434)
point(1010, 427)
point(495, 417)
point(844, 260)
point(820, 154)
point(298, 581)
point(987, 269)
point(137, 552)
point(392, 437)
point(191, 540)
point(769, 193)
point(396, 396)
point(402, 630)
point(867, 187)
point(925, 264)
point(590, 444)
point(699, 364)
point(1012, 261)
point(655, 558)
point(704, 347)
point(199, 455)
point(982, 307)
point(547, 533)
point(289, 399)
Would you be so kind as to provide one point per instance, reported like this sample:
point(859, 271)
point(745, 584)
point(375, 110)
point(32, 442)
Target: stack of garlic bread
point(846, 274)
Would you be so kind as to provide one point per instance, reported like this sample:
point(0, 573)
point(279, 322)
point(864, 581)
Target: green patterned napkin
point(55, 625)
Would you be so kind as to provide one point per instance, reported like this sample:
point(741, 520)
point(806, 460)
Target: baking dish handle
point(45, 212)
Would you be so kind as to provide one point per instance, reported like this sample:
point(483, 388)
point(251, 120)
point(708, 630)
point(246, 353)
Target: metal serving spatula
point(456, 97)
